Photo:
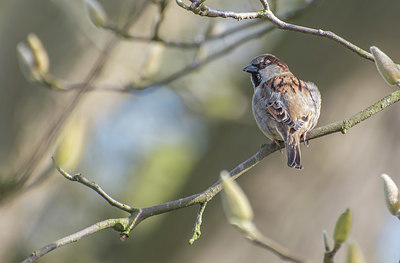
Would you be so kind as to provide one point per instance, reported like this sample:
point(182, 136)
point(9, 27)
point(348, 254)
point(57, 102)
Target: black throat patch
point(256, 79)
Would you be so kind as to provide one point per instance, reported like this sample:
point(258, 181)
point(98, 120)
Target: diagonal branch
point(92, 185)
point(182, 44)
point(118, 223)
point(267, 14)
point(205, 196)
point(254, 235)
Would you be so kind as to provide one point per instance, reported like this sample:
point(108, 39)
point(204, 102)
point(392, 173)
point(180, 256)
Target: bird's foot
point(306, 142)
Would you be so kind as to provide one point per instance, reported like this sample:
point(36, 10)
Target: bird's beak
point(251, 69)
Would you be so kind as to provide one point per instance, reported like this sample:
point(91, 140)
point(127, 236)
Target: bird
point(284, 106)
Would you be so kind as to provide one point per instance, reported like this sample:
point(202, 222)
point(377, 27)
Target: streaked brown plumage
point(284, 106)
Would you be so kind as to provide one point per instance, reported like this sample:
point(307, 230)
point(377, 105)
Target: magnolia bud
point(389, 71)
point(153, 62)
point(27, 63)
point(391, 195)
point(354, 254)
point(95, 13)
point(72, 142)
point(235, 203)
point(40, 54)
point(342, 227)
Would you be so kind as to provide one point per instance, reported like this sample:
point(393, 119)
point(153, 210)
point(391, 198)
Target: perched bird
point(285, 107)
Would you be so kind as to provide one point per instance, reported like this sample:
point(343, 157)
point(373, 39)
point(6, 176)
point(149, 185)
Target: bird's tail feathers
point(293, 153)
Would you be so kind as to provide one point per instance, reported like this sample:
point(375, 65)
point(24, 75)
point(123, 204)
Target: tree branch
point(267, 14)
point(259, 239)
point(197, 225)
point(92, 185)
point(117, 224)
point(181, 44)
point(208, 194)
point(330, 254)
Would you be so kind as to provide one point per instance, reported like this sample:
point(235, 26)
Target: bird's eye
point(262, 65)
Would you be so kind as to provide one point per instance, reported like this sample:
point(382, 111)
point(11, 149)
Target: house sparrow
point(284, 106)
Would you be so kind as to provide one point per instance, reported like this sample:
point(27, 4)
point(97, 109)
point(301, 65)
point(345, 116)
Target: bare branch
point(265, 4)
point(318, 32)
point(118, 224)
point(259, 239)
point(92, 185)
point(181, 44)
point(344, 125)
point(208, 194)
point(267, 14)
point(197, 225)
point(329, 255)
point(162, 5)
point(204, 10)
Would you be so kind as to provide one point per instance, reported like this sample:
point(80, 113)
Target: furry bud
point(235, 203)
point(95, 13)
point(391, 195)
point(389, 71)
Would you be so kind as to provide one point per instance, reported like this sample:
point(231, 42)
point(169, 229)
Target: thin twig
point(255, 236)
point(318, 32)
point(270, 16)
point(92, 185)
point(329, 255)
point(181, 44)
point(326, 242)
point(118, 223)
point(197, 225)
point(162, 5)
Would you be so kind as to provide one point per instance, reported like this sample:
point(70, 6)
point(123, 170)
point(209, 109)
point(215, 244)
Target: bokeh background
point(167, 142)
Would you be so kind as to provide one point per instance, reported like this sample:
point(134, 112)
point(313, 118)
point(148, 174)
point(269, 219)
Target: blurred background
point(170, 141)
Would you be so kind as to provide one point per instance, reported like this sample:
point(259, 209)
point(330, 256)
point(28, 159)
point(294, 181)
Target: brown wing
point(282, 88)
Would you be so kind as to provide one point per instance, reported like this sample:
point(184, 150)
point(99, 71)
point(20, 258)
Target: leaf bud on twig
point(354, 254)
point(391, 195)
point(389, 71)
point(95, 13)
point(236, 206)
point(342, 227)
point(39, 52)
